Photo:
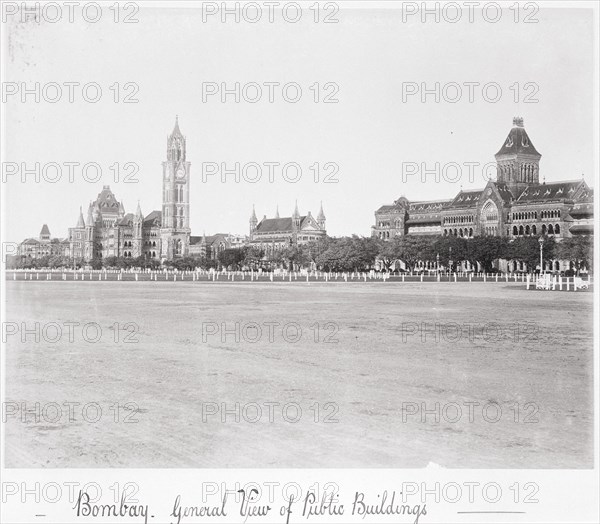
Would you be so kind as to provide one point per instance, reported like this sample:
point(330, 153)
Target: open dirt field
point(203, 374)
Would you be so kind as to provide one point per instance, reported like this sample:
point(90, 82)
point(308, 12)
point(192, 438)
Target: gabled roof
point(505, 193)
point(389, 209)
point(429, 205)
point(548, 192)
point(270, 225)
point(127, 220)
point(153, 219)
point(466, 198)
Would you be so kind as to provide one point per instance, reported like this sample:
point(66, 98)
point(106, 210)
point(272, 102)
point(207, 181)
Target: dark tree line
point(356, 253)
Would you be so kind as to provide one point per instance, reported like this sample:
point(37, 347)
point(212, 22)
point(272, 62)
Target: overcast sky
point(369, 133)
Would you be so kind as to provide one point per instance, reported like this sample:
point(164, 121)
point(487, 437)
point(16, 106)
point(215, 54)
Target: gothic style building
point(162, 235)
point(514, 205)
point(273, 234)
point(43, 246)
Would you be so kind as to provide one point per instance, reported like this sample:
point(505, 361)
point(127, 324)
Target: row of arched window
point(550, 229)
point(459, 219)
point(553, 213)
point(459, 232)
point(533, 215)
point(150, 244)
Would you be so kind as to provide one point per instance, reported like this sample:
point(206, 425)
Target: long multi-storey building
point(514, 205)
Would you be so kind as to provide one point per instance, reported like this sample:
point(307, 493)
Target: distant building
point(210, 246)
point(275, 234)
point(108, 231)
point(514, 205)
point(43, 246)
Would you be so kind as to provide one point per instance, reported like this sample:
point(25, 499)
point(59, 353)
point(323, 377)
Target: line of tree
point(356, 253)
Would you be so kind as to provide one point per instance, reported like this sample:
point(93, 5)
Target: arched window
point(544, 229)
point(550, 229)
point(527, 231)
point(471, 232)
point(445, 232)
point(515, 230)
point(533, 230)
point(455, 234)
point(557, 229)
point(521, 231)
point(558, 213)
point(460, 232)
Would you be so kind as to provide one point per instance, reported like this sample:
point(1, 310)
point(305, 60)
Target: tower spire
point(296, 212)
point(321, 217)
point(277, 212)
point(80, 222)
point(90, 216)
point(138, 212)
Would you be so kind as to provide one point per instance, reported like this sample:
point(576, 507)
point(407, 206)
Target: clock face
point(180, 173)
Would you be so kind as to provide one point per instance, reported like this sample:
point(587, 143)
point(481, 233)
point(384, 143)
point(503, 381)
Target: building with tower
point(43, 246)
point(274, 234)
point(515, 204)
point(108, 231)
point(175, 231)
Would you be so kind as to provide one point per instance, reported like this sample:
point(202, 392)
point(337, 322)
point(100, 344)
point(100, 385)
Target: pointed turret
point(138, 212)
point(321, 217)
point(253, 221)
point(176, 130)
point(277, 212)
point(121, 210)
point(296, 217)
point(80, 222)
point(90, 216)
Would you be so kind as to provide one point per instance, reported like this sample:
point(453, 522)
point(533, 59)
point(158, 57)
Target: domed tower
point(518, 162)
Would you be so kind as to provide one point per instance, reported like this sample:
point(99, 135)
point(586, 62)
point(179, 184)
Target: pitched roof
point(127, 220)
point(582, 209)
point(547, 192)
point(466, 198)
point(504, 193)
point(517, 141)
point(389, 209)
point(271, 225)
point(153, 219)
point(106, 201)
point(429, 205)
point(582, 228)
point(45, 230)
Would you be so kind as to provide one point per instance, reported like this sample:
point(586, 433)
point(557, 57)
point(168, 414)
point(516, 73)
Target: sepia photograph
point(299, 262)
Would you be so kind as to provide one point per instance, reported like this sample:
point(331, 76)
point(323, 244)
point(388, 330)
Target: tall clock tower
point(175, 230)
